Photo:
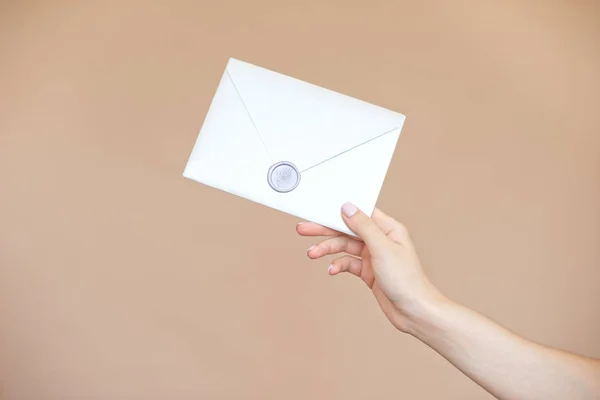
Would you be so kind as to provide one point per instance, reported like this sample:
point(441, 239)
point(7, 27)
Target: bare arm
point(506, 365)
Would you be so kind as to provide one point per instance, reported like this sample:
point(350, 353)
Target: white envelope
point(334, 148)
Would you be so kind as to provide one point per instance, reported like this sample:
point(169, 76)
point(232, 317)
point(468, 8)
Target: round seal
point(283, 176)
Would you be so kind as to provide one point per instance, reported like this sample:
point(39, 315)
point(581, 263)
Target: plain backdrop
point(120, 279)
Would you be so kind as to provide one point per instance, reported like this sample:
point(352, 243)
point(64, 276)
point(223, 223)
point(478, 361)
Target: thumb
point(363, 226)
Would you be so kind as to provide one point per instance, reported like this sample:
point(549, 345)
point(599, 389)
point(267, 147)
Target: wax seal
point(283, 176)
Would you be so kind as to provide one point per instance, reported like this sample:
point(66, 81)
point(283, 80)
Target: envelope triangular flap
point(304, 123)
point(228, 154)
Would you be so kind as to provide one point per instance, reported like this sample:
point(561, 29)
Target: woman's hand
point(506, 365)
point(385, 259)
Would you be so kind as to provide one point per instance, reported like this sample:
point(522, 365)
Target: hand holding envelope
point(293, 146)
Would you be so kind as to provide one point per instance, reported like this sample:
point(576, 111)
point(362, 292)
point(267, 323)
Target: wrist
point(425, 314)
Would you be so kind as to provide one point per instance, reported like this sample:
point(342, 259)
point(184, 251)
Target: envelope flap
point(304, 123)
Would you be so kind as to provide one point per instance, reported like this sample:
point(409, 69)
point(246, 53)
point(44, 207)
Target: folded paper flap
point(227, 126)
point(304, 123)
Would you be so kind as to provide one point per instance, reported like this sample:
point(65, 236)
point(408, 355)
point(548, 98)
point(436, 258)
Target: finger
point(364, 227)
point(334, 245)
point(312, 229)
point(346, 264)
point(390, 227)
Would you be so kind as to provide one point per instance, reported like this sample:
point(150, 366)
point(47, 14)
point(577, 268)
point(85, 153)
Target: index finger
point(312, 229)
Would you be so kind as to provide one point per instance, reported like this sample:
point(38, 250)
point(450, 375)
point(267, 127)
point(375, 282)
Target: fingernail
point(299, 223)
point(349, 209)
point(312, 247)
point(329, 269)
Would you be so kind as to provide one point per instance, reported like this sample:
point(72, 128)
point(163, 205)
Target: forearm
point(501, 362)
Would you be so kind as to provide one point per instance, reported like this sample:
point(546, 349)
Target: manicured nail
point(312, 247)
point(329, 269)
point(299, 223)
point(349, 209)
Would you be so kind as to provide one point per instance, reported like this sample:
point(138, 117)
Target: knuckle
point(334, 245)
point(345, 263)
point(368, 224)
point(345, 244)
point(365, 220)
point(329, 246)
point(402, 230)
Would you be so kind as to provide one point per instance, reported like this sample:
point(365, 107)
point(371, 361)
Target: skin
point(503, 363)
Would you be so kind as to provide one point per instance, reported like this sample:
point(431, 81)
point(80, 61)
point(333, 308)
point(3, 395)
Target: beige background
point(120, 279)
